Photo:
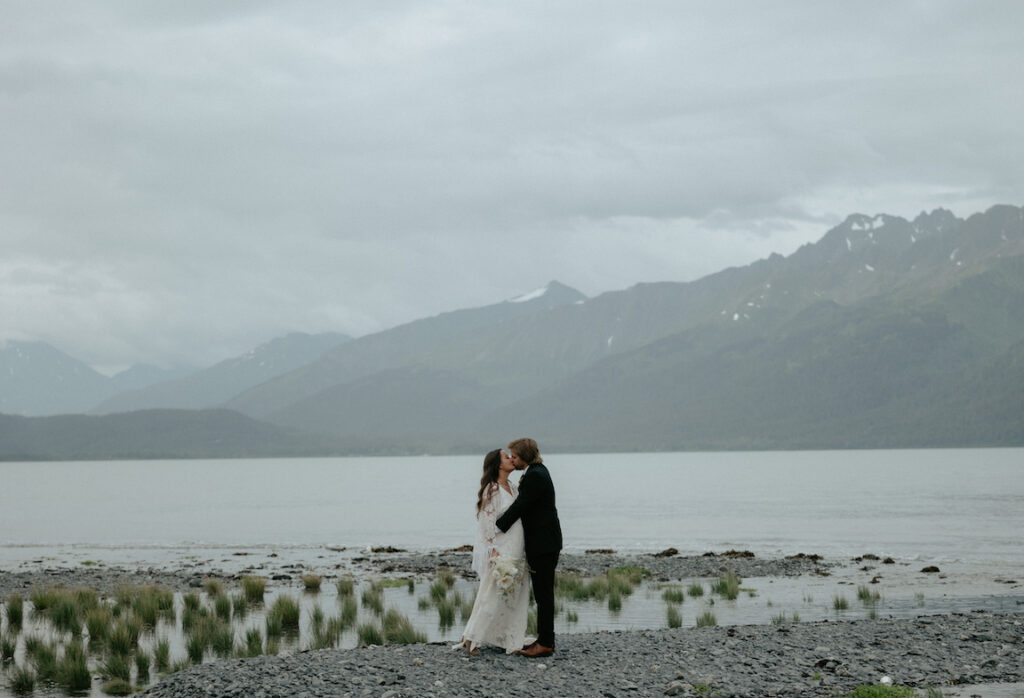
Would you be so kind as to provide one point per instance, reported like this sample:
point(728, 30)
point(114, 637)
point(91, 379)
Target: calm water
point(965, 505)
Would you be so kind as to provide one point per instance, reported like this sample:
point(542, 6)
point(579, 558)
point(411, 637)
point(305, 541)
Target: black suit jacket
point(535, 505)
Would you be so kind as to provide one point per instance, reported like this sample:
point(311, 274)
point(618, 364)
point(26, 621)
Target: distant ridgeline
point(886, 333)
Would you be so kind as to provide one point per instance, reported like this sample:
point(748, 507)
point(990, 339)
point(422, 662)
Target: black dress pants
point(542, 575)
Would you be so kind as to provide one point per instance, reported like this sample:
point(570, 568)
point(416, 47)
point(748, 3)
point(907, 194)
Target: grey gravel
point(803, 659)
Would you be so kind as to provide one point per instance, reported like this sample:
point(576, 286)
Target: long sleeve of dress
point(486, 532)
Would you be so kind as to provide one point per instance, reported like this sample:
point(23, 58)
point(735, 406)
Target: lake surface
point(944, 505)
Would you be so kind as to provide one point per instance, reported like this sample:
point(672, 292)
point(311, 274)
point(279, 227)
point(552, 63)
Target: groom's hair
point(526, 449)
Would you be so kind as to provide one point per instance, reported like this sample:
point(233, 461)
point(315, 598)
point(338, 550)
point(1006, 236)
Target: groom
point(535, 505)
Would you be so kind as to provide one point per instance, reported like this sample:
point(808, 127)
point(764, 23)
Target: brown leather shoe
point(538, 650)
point(526, 647)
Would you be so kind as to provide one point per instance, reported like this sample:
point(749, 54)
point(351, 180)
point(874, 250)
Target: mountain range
point(885, 333)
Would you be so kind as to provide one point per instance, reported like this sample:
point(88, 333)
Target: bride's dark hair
point(492, 464)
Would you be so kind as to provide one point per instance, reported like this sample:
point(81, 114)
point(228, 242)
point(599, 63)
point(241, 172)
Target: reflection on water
point(760, 601)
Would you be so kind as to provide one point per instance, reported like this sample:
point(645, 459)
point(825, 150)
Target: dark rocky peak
point(938, 221)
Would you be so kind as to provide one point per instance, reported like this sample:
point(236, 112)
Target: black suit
point(535, 506)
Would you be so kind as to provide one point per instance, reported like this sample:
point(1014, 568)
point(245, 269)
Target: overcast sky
point(184, 180)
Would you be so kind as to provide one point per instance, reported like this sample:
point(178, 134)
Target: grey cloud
point(225, 171)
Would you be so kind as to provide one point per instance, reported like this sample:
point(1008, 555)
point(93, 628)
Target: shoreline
point(393, 563)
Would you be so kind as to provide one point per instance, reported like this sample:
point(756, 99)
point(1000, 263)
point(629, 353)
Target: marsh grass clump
point(23, 680)
point(195, 647)
point(15, 610)
point(840, 603)
point(8, 645)
point(142, 665)
point(316, 616)
point(446, 613)
point(706, 619)
point(675, 618)
point(118, 687)
point(192, 601)
point(695, 590)
point(73, 669)
point(572, 617)
point(466, 607)
point(438, 591)
point(373, 598)
point(447, 576)
point(213, 587)
point(346, 586)
point(570, 585)
point(727, 586)
point(221, 639)
point(239, 605)
point(625, 579)
point(98, 622)
point(162, 654)
point(327, 633)
point(253, 643)
point(312, 582)
point(673, 595)
point(222, 607)
point(614, 601)
point(254, 588)
point(124, 635)
point(44, 660)
point(867, 596)
point(43, 598)
point(399, 630)
point(274, 627)
point(349, 611)
point(370, 634)
point(117, 666)
point(287, 608)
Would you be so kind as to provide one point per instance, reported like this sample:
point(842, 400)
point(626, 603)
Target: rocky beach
point(804, 659)
point(976, 652)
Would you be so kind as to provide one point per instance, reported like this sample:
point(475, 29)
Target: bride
point(499, 559)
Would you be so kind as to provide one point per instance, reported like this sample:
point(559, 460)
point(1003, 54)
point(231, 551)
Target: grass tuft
point(370, 634)
point(673, 595)
point(399, 630)
point(840, 603)
point(117, 667)
point(695, 589)
point(312, 582)
point(373, 598)
point(345, 586)
point(727, 586)
point(73, 669)
point(706, 619)
point(162, 654)
point(23, 680)
point(118, 687)
point(675, 618)
point(253, 588)
point(15, 610)
point(287, 609)
point(142, 665)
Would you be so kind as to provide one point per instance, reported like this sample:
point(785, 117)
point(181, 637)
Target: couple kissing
point(518, 535)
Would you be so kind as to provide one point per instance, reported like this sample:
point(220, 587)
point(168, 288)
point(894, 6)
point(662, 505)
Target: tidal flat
point(393, 607)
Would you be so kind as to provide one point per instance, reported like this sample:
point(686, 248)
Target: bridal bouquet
point(508, 573)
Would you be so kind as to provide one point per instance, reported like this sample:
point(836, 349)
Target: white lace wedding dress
point(499, 612)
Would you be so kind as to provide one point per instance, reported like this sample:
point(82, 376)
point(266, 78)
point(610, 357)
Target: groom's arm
point(527, 496)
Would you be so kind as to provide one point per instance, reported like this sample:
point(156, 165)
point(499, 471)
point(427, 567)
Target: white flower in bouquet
point(508, 573)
